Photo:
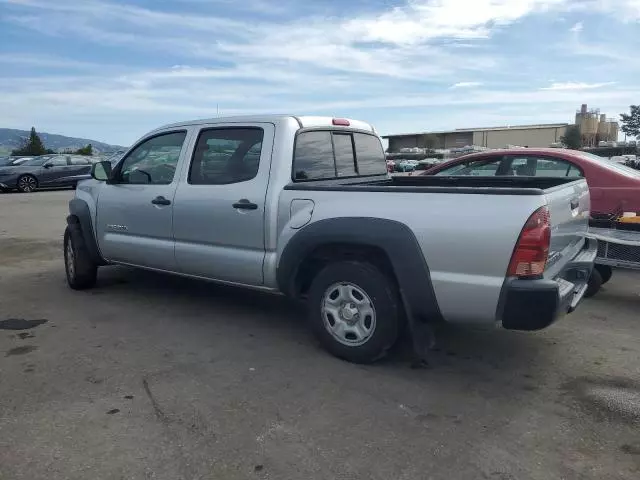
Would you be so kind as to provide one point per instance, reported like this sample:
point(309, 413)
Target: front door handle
point(245, 204)
point(161, 201)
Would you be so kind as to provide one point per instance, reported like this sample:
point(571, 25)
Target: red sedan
point(613, 187)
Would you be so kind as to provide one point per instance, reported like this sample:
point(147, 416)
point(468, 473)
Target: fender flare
point(80, 214)
point(393, 237)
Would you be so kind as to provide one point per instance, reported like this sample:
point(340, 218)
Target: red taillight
point(343, 122)
point(530, 256)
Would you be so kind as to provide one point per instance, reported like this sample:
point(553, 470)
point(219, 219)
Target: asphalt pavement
point(154, 377)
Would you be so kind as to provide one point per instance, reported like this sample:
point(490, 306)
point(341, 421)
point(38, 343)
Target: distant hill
point(11, 138)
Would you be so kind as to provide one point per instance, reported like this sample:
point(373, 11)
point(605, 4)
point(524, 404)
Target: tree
point(572, 137)
point(31, 146)
point(88, 150)
point(631, 121)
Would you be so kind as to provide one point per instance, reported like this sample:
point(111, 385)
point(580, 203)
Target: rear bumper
point(536, 304)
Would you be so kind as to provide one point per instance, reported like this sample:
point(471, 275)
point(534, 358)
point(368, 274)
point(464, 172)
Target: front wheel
point(605, 272)
point(81, 271)
point(354, 311)
point(595, 282)
point(27, 183)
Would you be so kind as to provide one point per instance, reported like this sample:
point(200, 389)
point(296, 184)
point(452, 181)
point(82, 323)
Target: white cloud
point(577, 28)
point(576, 85)
point(466, 84)
point(423, 20)
point(624, 10)
point(330, 61)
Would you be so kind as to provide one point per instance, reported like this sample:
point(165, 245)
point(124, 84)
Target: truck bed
point(435, 184)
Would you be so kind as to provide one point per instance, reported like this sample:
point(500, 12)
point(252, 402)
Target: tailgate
point(569, 208)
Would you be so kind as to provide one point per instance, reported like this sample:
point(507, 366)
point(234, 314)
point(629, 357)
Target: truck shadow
point(468, 348)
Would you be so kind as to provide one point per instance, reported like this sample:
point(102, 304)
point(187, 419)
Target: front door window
point(153, 162)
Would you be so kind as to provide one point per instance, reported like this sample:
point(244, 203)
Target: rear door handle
point(161, 201)
point(245, 204)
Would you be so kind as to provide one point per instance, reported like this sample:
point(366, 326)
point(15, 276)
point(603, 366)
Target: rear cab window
point(330, 154)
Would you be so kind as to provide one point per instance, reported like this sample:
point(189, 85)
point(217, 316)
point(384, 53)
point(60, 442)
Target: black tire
point(27, 183)
point(605, 272)
point(382, 292)
point(595, 282)
point(81, 271)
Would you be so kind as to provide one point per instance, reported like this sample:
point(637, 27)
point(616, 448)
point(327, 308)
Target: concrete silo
point(588, 122)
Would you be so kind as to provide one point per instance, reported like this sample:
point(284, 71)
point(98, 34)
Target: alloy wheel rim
point(28, 184)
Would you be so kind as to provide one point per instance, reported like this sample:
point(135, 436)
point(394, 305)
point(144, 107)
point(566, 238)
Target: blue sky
point(113, 69)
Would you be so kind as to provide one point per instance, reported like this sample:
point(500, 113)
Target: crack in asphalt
point(154, 403)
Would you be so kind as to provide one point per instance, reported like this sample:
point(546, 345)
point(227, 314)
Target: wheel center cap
point(349, 312)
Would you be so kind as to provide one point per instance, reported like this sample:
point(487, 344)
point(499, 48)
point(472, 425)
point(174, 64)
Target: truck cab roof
point(308, 121)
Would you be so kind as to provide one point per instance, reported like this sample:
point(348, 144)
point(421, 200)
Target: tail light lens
point(532, 250)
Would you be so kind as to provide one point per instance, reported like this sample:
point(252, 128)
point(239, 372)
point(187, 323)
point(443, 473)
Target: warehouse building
point(496, 137)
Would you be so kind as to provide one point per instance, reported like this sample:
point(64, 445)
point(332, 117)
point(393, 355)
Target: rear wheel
point(595, 282)
point(605, 272)
point(354, 311)
point(27, 183)
point(81, 271)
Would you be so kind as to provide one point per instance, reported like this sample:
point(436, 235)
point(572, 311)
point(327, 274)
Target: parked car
point(114, 157)
point(391, 166)
point(614, 187)
point(406, 166)
point(47, 171)
point(425, 164)
point(222, 200)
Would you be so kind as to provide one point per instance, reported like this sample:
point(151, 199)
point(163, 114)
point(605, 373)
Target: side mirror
point(101, 171)
point(48, 165)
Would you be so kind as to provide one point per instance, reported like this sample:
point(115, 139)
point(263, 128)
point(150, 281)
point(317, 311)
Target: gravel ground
point(155, 377)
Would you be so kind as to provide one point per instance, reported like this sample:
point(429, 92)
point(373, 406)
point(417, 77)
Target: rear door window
point(552, 167)
point(531, 166)
point(79, 161)
point(226, 155)
point(58, 161)
point(574, 172)
point(479, 168)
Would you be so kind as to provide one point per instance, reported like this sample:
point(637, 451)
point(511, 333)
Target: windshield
point(12, 161)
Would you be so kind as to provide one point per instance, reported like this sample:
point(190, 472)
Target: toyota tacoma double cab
point(305, 207)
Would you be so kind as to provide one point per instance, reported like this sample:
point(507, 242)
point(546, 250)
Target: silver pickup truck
point(304, 206)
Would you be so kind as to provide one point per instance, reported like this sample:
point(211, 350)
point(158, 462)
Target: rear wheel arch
point(326, 253)
point(389, 245)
